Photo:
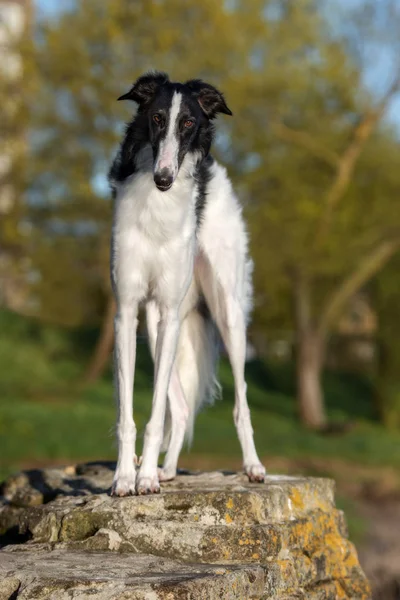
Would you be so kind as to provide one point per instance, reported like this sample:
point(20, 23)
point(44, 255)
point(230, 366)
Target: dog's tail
point(196, 363)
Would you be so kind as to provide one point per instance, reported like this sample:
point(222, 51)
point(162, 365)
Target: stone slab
point(42, 573)
point(216, 534)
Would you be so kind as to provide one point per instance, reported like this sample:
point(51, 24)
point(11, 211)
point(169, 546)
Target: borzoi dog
point(179, 244)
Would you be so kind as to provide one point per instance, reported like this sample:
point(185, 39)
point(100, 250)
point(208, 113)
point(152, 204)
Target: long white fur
point(157, 258)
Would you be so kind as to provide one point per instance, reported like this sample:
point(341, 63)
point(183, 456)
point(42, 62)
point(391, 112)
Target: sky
point(377, 76)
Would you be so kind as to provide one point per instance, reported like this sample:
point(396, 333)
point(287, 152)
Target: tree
point(77, 122)
point(77, 125)
point(14, 233)
point(331, 205)
point(305, 152)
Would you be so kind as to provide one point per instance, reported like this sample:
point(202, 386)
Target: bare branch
point(305, 140)
point(348, 161)
point(368, 267)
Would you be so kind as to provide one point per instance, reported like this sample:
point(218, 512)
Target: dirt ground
point(380, 551)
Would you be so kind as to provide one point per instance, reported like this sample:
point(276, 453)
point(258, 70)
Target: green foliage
point(34, 359)
point(287, 66)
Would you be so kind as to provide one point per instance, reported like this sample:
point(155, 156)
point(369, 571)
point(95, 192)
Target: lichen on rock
point(207, 535)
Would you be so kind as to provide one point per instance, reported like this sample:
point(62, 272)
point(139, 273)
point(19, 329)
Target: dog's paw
point(147, 484)
point(255, 473)
point(124, 485)
point(166, 474)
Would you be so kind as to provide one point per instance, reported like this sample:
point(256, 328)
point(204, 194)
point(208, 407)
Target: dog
point(179, 245)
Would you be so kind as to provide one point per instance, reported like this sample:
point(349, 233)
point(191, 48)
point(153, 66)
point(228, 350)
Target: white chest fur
point(153, 237)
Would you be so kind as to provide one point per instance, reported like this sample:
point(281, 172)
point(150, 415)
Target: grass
point(46, 416)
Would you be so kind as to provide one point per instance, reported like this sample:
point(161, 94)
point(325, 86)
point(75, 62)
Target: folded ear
point(210, 99)
point(145, 87)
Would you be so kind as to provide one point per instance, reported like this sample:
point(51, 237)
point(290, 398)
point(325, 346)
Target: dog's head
point(179, 120)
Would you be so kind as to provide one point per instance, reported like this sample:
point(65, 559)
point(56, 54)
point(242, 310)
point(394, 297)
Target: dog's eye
point(189, 123)
point(157, 119)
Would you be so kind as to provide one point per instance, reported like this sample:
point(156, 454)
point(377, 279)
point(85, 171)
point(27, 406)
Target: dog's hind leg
point(223, 282)
point(233, 332)
point(179, 417)
point(125, 354)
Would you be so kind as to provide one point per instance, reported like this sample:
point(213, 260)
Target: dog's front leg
point(125, 355)
point(167, 338)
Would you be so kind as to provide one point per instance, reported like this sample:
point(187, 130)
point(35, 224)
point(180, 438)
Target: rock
point(9, 587)
point(207, 535)
point(60, 574)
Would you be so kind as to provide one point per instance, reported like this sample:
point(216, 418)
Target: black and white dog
point(179, 244)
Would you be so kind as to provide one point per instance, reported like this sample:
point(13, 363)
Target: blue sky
point(377, 76)
point(51, 7)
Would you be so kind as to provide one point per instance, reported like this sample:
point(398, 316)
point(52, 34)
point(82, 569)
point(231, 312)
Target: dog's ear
point(210, 99)
point(144, 89)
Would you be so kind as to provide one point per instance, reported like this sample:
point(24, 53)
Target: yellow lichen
point(340, 592)
point(297, 499)
point(334, 541)
point(228, 519)
point(351, 559)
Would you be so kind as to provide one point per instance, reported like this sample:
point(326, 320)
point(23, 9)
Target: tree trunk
point(309, 387)
point(386, 395)
point(309, 358)
point(102, 351)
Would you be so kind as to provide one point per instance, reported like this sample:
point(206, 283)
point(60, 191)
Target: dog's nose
point(163, 180)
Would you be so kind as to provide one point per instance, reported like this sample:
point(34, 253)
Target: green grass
point(357, 525)
point(46, 416)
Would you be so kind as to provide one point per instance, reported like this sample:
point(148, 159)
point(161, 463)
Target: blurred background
point(314, 152)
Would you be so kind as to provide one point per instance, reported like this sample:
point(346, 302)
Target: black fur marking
point(200, 103)
point(203, 177)
point(209, 98)
point(136, 137)
point(145, 88)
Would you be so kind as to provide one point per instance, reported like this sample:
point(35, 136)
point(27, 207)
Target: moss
point(80, 524)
